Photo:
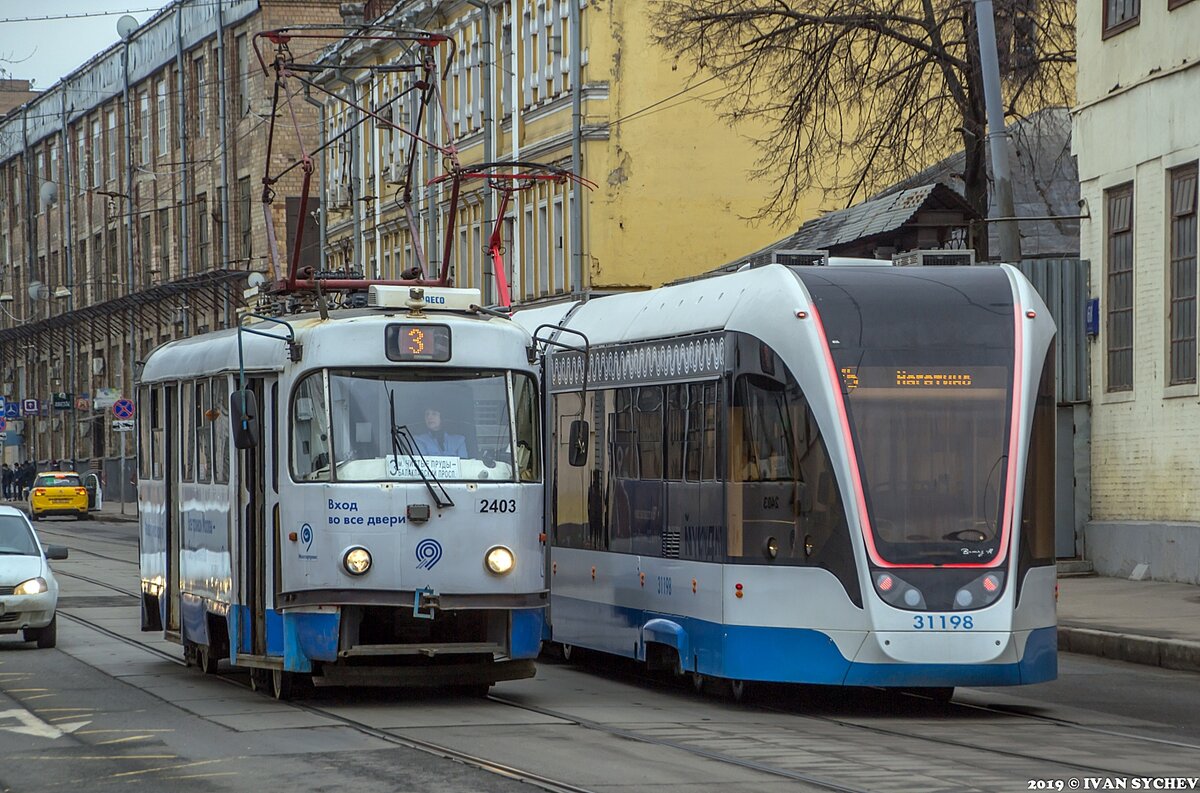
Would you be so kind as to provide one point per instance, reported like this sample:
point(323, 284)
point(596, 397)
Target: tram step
point(428, 650)
point(1075, 568)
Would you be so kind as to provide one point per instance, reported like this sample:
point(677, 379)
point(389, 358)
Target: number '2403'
point(943, 622)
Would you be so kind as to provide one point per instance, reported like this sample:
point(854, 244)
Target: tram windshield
point(926, 361)
point(457, 426)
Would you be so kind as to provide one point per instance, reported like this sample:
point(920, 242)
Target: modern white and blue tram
point(354, 498)
point(826, 474)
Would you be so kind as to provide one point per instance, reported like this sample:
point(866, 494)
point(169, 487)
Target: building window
point(1183, 275)
point(244, 229)
point(1120, 15)
point(164, 121)
point(1119, 267)
point(144, 253)
point(1173, 4)
point(97, 158)
point(164, 244)
point(146, 123)
point(81, 157)
point(241, 74)
point(111, 151)
point(202, 232)
point(201, 98)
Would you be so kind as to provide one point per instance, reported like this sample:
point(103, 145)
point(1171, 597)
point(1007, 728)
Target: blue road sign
point(123, 408)
point(30, 407)
point(12, 411)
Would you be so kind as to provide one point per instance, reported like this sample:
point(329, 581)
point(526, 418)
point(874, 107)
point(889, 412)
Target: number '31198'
point(943, 622)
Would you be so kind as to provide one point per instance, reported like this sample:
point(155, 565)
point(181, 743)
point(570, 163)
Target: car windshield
point(16, 538)
point(58, 480)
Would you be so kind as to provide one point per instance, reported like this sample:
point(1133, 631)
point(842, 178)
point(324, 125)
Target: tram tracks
point(685, 741)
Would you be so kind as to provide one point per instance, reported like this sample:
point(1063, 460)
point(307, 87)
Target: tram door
point(252, 512)
point(173, 525)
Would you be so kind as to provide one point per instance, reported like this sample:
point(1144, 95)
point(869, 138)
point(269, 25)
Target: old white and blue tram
point(354, 498)
point(827, 474)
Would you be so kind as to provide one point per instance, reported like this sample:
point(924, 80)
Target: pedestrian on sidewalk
point(6, 475)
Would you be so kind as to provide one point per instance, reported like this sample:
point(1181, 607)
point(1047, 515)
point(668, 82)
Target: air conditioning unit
point(934, 258)
point(796, 258)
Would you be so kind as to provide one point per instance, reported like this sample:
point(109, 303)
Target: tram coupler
point(425, 602)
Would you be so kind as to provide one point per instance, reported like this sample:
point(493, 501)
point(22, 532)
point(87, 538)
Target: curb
point(1166, 653)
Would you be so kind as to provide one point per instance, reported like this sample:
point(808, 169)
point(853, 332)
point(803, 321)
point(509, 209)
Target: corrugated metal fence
point(1063, 284)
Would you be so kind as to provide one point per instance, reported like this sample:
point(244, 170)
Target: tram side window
point(525, 403)
point(649, 402)
point(703, 407)
point(1037, 511)
point(220, 427)
point(623, 435)
point(767, 447)
point(203, 433)
point(187, 429)
point(143, 424)
point(157, 434)
point(676, 430)
point(310, 430)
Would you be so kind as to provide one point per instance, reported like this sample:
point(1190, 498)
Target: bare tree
point(856, 95)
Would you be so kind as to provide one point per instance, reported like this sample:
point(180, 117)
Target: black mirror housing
point(243, 416)
point(56, 552)
point(578, 443)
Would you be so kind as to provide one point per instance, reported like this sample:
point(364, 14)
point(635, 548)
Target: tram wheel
point(568, 652)
point(260, 680)
point(738, 690)
point(283, 684)
point(206, 660)
point(698, 682)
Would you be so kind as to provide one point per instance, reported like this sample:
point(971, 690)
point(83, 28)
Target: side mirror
point(243, 416)
point(579, 443)
point(56, 552)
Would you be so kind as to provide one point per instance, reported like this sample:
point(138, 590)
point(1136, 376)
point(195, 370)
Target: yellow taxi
point(58, 493)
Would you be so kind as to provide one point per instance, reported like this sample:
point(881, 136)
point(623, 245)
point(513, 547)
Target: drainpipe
point(356, 175)
point(185, 180)
point(989, 62)
point(130, 226)
point(324, 188)
point(488, 141)
point(222, 120)
point(69, 267)
point(578, 271)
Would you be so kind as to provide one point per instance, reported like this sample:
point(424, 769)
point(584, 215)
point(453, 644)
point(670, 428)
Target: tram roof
point(742, 300)
point(333, 341)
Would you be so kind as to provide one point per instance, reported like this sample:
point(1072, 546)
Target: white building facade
point(1137, 140)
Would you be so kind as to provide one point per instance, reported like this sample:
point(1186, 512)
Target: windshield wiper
point(404, 442)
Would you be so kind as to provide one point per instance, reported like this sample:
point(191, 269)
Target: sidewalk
point(1142, 622)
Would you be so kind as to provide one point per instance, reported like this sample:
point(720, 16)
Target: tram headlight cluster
point(499, 560)
point(357, 560)
point(898, 592)
point(980, 592)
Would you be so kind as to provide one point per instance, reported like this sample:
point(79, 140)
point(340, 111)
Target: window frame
point(1125, 24)
point(1112, 195)
point(1182, 230)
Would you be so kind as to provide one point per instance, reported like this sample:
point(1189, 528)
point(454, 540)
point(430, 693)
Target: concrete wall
point(1138, 118)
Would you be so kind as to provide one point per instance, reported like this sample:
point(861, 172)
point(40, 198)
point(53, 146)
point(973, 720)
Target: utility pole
point(989, 62)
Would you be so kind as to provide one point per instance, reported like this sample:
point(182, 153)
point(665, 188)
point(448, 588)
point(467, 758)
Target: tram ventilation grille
point(670, 544)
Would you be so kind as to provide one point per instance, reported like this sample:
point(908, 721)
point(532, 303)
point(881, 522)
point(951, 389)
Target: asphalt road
point(103, 713)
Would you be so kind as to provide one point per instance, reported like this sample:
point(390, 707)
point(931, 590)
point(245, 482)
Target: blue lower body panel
point(525, 633)
point(783, 655)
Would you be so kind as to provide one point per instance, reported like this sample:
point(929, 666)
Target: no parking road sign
point(123, 408)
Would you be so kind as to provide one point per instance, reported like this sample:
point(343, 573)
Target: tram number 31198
point(501, 505)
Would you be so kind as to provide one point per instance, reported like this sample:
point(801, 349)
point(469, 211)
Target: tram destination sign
point(417, 342)
point(662, 361)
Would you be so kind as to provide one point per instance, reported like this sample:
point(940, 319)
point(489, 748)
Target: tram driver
point(435, 441)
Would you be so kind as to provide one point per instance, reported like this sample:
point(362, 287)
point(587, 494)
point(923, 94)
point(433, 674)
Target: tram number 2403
point(943, 622)
point(504, 506)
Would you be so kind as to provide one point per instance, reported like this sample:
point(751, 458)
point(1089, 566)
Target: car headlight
point(34, 586)
point(499, 560)
point(357, 560)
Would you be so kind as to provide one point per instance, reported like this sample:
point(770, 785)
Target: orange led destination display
point(921, 379)
point(417, 343)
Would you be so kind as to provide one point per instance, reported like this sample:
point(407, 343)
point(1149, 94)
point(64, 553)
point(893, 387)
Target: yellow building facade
point(671, 192)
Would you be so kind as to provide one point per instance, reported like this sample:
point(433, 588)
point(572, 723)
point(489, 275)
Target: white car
point(28, 591)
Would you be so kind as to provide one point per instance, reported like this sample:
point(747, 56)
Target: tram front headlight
point(980, 592)
point(499, 560)
point(357, 560)
point(897, 592)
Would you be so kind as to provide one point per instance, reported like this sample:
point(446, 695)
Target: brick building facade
point(131, 214)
